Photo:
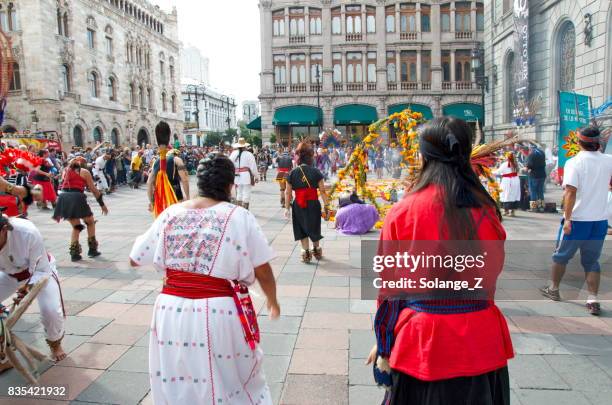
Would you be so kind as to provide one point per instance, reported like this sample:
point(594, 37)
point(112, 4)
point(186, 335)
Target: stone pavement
point(315, 353)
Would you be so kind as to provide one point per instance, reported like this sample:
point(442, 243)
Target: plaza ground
point(314, 354)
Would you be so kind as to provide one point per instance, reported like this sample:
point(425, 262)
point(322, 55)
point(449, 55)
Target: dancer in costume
point(162, 192)
point(285, 165)
point(204, 338)
point(307, 182)
point(246, 172)
point(510, 184)
point(72, 206)
point(444, 351)
point(98, 172)
point(42, 177)
point(177, 176)
point(23, 263)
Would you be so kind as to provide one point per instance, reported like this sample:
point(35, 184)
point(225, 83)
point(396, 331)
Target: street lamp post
point(318, 77)
point(482, 80)
point(229, 121)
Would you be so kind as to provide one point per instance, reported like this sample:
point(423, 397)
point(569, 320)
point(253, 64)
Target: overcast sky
point(227, 32)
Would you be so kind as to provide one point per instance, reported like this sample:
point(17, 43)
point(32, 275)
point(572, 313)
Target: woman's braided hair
point(215, 174)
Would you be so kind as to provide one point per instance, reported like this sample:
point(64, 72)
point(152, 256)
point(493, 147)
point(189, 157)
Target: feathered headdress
point(15, 159)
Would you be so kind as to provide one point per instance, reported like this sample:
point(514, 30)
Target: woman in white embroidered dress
point(204, 350)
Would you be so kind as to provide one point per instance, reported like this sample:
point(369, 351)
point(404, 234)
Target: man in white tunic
point(98, 172)
point(24, 261)
point(246, 172)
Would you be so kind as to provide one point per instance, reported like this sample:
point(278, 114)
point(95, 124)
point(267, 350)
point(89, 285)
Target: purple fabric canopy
point(356, 219)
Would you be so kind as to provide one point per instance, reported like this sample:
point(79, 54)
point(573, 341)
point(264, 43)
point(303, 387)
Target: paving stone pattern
point(315, 353)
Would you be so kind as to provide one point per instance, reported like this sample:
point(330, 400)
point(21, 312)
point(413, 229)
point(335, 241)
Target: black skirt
point(72, 205)
point(307, 221)
point(492, 388)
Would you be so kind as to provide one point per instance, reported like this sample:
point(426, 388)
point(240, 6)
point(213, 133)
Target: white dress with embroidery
point(197, 350)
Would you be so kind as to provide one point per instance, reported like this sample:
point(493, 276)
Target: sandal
point(306, 256)
point(317, 253)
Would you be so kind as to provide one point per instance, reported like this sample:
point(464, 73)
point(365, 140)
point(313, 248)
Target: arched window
point(112, 89)
point(115, 137)
point(163, 100)
point(132, 95)
point(60, 25)
point(150, 98)
point(509, 73)
point(566, 62)
point(173, 101)
point(109, 40)
point(171, 68)
point(349, 25)
point(141, 96)
point(97, 134)
point(15, 83)
point(77, 136)
point(66, 78)
point(93, 84)
point(65, 21)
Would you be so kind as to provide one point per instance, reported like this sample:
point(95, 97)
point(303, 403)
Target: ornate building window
point(280, 70)
point(462, 17)
point(391, 68)
point(112, 89)
point(150, 98)
point(480, 22)
point(15, 83)
point(337, 70)
point(93, 84)
point(390, 18)
point(91, 32)
point(278, 23)
point(445, 18)
point(425, 18)
point(171, 68)
point(509, 73)
point(371, 67)
point(173, 103)
point(336, 21)
point(132, 95)
point(109, 40)
point(567, 57)
point(315, 21)
point(66, 78)
point(97, 134)
point(141, 98)
point(163, 100)
point(62, 19)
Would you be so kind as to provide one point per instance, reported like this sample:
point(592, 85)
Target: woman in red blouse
point(445, 354)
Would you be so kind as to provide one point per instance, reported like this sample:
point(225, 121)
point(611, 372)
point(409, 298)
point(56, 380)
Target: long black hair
point(446, 148)
point(215, 175)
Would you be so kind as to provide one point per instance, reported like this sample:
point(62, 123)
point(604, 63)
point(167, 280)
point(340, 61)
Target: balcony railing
point(298, 88)
point(463, 85)
point(280, 88)
point(316, 87)
point(408, 36)
point(447, 85)
point(463, 35)
point(391, 86)
point(354, 86)
point(425, 85)
point(338, 86)
point(410, 85)
point(354, 37)
point(371, 86)
point(297, 39)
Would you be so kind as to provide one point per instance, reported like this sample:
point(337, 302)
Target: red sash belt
point(510, 175)
point(242, 169)
point(22, 275)
point(303, 195)
point(198, 286)
point(283, 170)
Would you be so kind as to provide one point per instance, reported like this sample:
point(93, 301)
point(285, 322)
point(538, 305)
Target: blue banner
point(573, 114)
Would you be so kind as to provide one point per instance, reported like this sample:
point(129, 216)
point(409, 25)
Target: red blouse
point(441, 346)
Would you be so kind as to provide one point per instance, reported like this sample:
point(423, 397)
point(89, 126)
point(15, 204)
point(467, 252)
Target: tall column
point(344, 75)
point(398, 66)
point(307, 69)
point(418, 18)
point(397, 19)
point(267, 72)
point(436, 55)
point(452, 17)
point(381, 48)
point(364, 28)
point(418, 72)
point(364, 66)
point(288, 67)
point(452, 65)
point(327, 50)
point(473, 19)
point(342, 20)
point(306, 22)
point(287, 25)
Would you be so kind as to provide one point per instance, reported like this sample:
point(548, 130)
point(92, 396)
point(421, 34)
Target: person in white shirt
point(586, 180)
point(246, 172)
point(24, 261)
point(98, 171)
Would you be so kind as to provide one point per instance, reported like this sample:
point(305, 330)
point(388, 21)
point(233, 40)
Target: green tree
point(230, 135)
point(213, 139)
point(272, 139)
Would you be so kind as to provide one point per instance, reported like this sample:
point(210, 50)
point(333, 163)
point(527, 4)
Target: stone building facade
point(206, 110)
point(570, 49)
point(250, 110)
point(94, 70)
point(371, 57)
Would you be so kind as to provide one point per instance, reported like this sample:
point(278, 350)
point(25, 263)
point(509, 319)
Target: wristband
point(100, 201)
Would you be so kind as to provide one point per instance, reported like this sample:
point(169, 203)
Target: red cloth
point(48, 191)
point(303, 195)
point(11, 205)
point(73, 180)
point(283, 170)
point(510, 175)
point(441, 346)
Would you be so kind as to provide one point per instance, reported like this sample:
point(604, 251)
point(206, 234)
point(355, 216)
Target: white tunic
point(510, 186)
point(247, 160)
point(197, 350)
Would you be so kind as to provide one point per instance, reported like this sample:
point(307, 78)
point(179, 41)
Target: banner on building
point(521, 57)
point(573, 114)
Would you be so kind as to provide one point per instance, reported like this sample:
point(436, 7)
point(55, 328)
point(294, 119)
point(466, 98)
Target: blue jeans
point(536, 189)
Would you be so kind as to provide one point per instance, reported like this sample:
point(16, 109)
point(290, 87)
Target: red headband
point(583, 138)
